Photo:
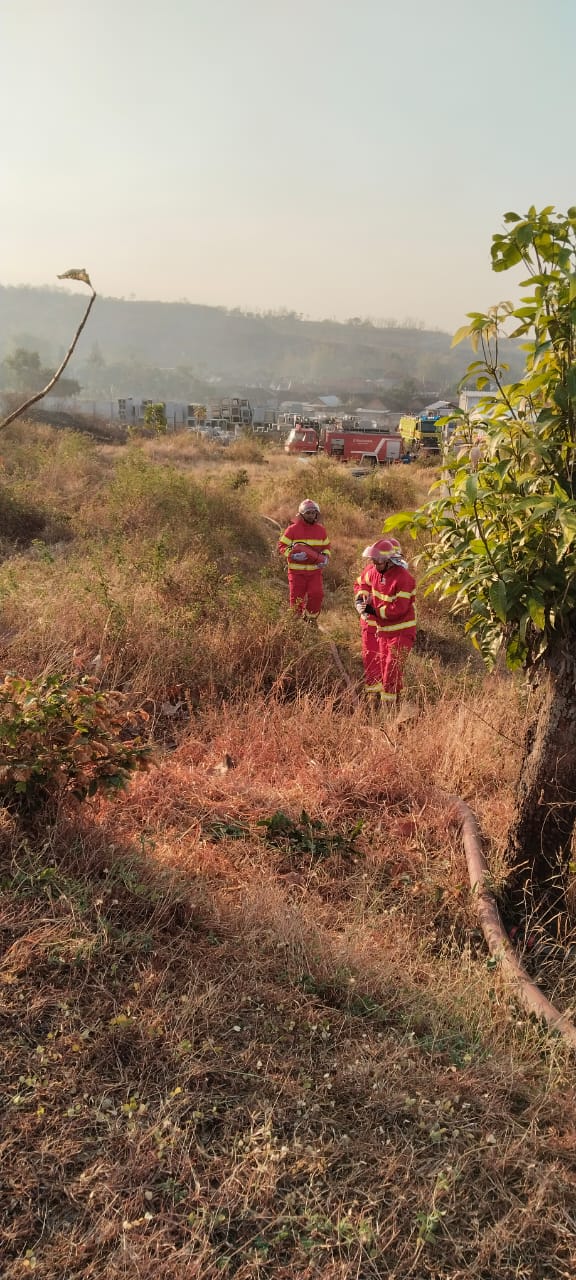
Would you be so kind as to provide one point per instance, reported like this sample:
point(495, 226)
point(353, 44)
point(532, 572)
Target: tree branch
point(39, 395)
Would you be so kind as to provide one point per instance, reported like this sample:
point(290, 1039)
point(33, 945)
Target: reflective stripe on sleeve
point(398, 595)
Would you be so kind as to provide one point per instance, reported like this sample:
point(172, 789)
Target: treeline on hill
point(175, 349)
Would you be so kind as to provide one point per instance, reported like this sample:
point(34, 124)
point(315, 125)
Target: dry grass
point(231, 1056)
point(237, 1044)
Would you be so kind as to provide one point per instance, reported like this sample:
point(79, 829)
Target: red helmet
point(381, 549)
point(308, 507)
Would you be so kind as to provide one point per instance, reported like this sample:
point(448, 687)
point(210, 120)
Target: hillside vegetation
point(249, 1025)
point(168, 348)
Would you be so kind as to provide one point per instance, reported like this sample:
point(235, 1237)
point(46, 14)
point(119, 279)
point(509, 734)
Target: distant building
point(230, 414)
point(469, 400)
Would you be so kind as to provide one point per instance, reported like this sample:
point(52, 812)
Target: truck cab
point(302, 440)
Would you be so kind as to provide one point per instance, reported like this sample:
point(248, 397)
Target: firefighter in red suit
point(306, 548)
point(369, 627)
point(392, 597)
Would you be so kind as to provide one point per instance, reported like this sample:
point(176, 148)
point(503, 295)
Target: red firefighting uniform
point(393, 596)
point(369, 630)
point(305, 576)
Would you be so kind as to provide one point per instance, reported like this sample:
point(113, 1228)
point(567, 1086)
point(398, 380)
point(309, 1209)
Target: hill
point(175, 344)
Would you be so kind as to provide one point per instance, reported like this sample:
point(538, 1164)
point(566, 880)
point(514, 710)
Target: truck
point(348, 441)
point(427, 436)
point(304, 438)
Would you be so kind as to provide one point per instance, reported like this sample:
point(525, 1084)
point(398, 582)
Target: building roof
point(438, 404)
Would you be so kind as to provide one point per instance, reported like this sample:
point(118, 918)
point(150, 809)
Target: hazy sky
point(337, 157)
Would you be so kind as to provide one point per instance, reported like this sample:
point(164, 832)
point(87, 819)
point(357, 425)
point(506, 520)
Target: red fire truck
point(348, 443)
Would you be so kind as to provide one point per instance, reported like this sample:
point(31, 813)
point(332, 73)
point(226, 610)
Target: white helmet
point(307, 507)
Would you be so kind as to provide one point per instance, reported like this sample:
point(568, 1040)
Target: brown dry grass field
point(249, 1026)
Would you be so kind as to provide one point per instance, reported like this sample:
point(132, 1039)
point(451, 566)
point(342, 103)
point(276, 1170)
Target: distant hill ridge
point(232, 345)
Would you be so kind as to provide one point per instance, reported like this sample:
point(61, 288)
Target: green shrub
point(155, 417)
point(147, 498)
point(19, 521)
point(334, 485)
point(60, 734)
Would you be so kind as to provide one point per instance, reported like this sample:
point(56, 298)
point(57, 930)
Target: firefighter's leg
point(388, 671)
point(315, 595)
point(298, 589)
point(371, 660)
point(394, 650)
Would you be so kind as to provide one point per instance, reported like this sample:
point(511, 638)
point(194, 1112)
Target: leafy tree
point(67, 387)
point(500, 534)
point(25, 370)
point(155, 417)
point(26, 374)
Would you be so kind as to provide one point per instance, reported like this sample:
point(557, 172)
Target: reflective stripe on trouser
point(371, 658)
point(306, 592)
point(394, 649)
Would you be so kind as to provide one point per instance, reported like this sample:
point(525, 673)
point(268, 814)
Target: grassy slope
point(239, 1049)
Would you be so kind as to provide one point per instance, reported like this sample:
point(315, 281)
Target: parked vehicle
point(348, 441)
point(303, 440)
point(371, 446)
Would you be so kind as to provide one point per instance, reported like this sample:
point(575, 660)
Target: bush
point(59, 735)
point(19, 521)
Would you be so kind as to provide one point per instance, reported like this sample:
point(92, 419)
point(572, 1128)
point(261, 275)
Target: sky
point(336, 157)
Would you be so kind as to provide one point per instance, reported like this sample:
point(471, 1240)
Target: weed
point(58, 735)
point(309, 836)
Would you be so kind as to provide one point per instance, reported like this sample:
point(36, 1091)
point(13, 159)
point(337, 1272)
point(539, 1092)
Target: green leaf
point(461, 333)
point(499, 599)
point(524, 235)
point(471, 488)
point(398, 521)
point(537, 612)
point(567, 522)
point(516, 653)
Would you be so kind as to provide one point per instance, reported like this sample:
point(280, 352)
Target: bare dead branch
point(39, 395)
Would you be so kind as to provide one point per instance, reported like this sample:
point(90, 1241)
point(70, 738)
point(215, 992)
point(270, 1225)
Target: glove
point(360, 606)
point(298, 555)
point(323, 561)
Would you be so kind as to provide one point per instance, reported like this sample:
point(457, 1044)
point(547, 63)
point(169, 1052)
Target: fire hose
point(527, 993)
point(524, 989)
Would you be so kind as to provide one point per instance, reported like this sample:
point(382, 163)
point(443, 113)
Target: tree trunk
point(540, 837)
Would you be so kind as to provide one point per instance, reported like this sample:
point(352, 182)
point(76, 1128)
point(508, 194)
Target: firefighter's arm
point(364, 607)
point(283, 545)
point(392, 608)
point(363, 603)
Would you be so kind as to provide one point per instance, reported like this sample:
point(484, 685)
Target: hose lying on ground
point(525, 990)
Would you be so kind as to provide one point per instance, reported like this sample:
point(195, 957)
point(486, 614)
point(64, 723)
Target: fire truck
point(348, 441)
